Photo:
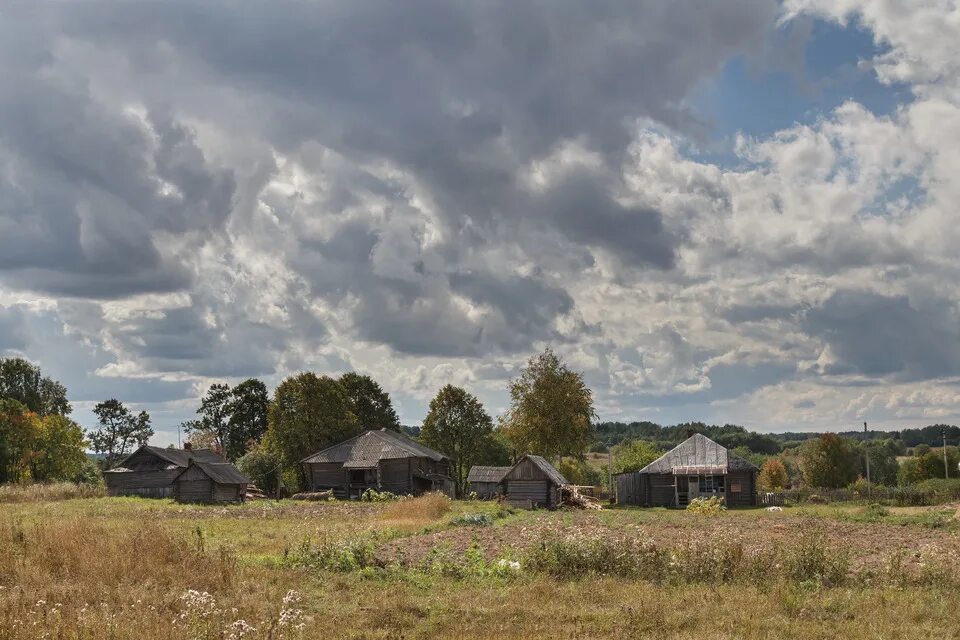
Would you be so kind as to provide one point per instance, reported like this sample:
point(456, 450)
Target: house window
point(362, 476)
point(711, 484)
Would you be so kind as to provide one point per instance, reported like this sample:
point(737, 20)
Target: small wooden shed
point(533, 482)
point(485, 481)
point(210, 482)
point(697, 467)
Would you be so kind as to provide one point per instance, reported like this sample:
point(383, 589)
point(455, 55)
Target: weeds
point(472, 520)
point(424, 509)
point(712, 506)
point(328, 554)
point(372, 495)
point(13, 493)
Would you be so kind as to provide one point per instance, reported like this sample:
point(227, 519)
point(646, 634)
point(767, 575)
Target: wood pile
point(570, 496)
point(313, 496)
point(253, 493)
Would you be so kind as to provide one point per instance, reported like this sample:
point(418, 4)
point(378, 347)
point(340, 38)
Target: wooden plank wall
point(747, 495)
point(154, 484)
point(524, 493)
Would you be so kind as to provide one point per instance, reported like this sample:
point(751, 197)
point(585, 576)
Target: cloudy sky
point(740, 211)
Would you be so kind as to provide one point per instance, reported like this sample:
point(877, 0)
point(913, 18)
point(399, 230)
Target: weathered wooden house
point(485, 481)
point(532, 482)
point(150, 471)
point(697, 467)
point(382, 460)
point(210, 482)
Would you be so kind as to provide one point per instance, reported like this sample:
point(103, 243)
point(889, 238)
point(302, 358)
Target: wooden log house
point(697, 467)
point(383, 460)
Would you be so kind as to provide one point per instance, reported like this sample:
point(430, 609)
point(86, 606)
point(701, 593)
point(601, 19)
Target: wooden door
point(694, 488)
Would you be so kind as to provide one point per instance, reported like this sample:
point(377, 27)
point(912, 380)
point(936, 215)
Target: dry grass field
point(122, 568)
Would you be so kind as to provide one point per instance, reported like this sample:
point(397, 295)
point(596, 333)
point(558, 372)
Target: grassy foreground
point(129, 568)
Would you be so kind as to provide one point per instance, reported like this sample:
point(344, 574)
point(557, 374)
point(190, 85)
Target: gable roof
point(219, 472)
point(480, 473)
point(372, 446)
point(175, 457)
point(541, 463)
point(698, 454)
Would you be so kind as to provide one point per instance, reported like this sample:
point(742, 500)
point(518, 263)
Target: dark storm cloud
point(876, 335)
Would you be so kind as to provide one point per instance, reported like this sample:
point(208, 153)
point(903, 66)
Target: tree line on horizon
point(551, 414)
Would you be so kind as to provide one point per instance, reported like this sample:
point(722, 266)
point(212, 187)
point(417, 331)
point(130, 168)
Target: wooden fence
point(901, 496)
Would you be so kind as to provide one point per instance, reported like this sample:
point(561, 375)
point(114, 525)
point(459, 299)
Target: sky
point(736, 212)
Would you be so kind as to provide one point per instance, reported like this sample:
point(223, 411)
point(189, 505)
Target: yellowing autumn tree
point(551, 410)
point(773, 475)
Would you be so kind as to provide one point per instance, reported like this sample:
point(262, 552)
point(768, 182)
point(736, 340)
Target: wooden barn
point(150, 471)
point(485, 481)
point(533, 482)
point(697, 467)
point(382, 460)
point(210, 482)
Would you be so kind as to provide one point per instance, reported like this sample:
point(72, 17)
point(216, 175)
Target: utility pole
point(946, 467)
point(866, 450)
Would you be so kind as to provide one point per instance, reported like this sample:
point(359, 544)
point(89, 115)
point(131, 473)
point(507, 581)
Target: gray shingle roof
point(222, 472)
point(373, 446)
point(698, 453)
point(551, 472)
point(177, 457)
point(480, 473)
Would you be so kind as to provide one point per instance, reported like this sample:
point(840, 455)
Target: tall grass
point(12, 493)
point(417, 511)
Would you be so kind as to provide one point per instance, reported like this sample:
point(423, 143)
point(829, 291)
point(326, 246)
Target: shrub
point(332, 554)
point(260, 464)
point(372, 495)
point(876, 511)
point(711, 506)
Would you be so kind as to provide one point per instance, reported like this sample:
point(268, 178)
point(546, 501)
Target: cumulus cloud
point(429, 191)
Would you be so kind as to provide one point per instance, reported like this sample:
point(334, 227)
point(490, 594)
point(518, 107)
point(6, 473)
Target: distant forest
point(732, 436)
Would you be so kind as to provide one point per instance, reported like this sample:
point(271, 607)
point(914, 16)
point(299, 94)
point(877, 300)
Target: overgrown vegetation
point(48, 492)
point(712, 506)
point(134, 568)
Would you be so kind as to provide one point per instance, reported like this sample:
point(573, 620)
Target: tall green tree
point(213, 418)
point(829, 461)
point(633, 455)
point(247, 409)
point(551, 409)
point(119, 432)
point(309, 413)
point(371, 403)
point(883, 461)
point(22, 381)
point(458, 426)
point(231, 420)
